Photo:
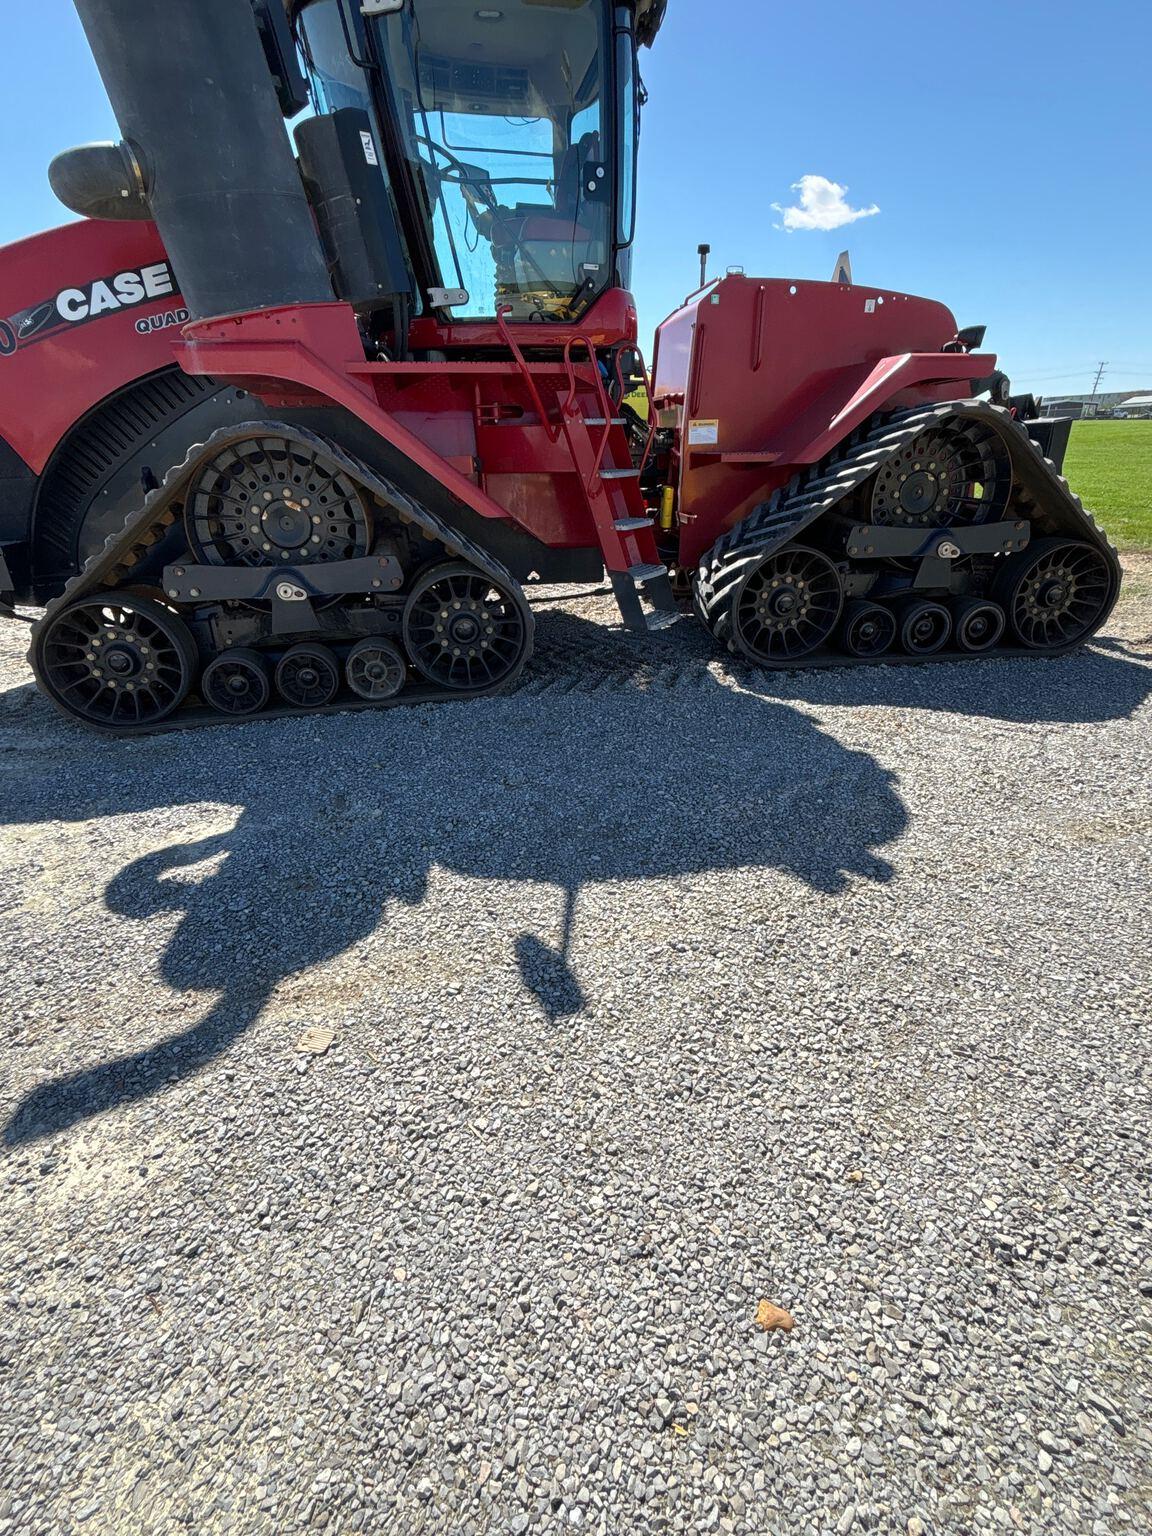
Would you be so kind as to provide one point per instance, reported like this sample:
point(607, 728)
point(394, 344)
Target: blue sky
point(1006, 143)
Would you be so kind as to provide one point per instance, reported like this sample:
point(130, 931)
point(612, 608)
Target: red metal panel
point(63, 348)
point(429, 413)
point(610, 321)
point(314, 347)
point(781, 372)
point(673, 355)
point(774, 373)
point(894, 381)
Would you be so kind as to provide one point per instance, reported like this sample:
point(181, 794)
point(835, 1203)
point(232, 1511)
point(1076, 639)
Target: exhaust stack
point(196, 104)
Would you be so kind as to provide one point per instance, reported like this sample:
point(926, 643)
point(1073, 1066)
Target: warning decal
point(703, 434)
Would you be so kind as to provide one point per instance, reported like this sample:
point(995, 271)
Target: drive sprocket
point(955, 473)
point(269, 500)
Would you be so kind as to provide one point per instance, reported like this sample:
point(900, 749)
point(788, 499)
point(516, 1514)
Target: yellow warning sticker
point(703, 434)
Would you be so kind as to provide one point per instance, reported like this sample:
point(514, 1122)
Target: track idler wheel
point(115, 660)
point(308, 676)
point(463, 630)
point(925, 627)
point(978, 625)
point(869, 630)
point(1056, 593)
point(236, 683)
point(375, 670)
point(787, 606)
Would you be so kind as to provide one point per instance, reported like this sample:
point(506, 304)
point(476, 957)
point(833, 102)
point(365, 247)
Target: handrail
point(525, 371)
point(570, 374)
point(602, 394)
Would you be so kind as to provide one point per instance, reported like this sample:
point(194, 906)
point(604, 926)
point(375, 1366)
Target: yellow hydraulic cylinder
point(667, 508)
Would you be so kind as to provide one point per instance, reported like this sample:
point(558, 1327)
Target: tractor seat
point(570, 179)
point(553, 223)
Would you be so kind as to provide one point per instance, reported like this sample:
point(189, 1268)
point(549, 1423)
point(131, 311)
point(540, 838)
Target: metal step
point(642, 573)
point(654, 622)
point(605, 421)
point(619, 474)
point(631, 524)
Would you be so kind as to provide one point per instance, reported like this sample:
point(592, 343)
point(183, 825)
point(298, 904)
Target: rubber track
point(819, 489)
point(163, 508)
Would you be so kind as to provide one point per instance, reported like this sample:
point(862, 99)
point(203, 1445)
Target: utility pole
point(1096, 388)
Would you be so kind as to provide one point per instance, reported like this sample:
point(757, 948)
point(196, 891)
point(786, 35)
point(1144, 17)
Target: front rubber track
point(1040, 494)
point(112, 567)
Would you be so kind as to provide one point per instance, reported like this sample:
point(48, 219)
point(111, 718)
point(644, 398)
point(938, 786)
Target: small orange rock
point(768, 1316)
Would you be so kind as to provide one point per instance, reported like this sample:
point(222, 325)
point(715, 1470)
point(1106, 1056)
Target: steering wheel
point(474, 182)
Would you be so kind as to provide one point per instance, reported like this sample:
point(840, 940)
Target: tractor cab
point(509, 136)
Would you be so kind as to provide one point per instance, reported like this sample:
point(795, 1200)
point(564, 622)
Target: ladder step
point(642, 573)
point(605, 421)
point(631, 524)
point(619, 474)
point(659, 620)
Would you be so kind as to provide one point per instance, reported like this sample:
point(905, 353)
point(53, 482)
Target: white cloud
point(822, 205)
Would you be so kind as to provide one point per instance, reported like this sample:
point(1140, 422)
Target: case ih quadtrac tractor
point(292, 429)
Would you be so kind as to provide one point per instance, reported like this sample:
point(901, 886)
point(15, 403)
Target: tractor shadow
point(614, 762)
point(1109, 680)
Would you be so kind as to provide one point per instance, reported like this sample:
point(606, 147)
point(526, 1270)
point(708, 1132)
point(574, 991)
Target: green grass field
point(1109, 466)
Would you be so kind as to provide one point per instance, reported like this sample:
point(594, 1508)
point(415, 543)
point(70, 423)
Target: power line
point(1077, 373)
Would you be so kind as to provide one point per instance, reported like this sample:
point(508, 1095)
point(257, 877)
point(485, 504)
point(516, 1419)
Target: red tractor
point(402, 360)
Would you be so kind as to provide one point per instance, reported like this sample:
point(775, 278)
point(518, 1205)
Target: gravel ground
point(658, 990)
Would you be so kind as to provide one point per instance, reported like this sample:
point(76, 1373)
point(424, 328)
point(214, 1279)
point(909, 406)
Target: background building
point(1105, 403)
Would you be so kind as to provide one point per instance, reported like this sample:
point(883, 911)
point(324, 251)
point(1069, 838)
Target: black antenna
point(704, 251)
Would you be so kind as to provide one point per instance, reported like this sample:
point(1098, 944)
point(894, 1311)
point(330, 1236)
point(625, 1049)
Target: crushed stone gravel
point(658, 990)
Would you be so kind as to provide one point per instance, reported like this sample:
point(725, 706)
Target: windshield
point(504, 113)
